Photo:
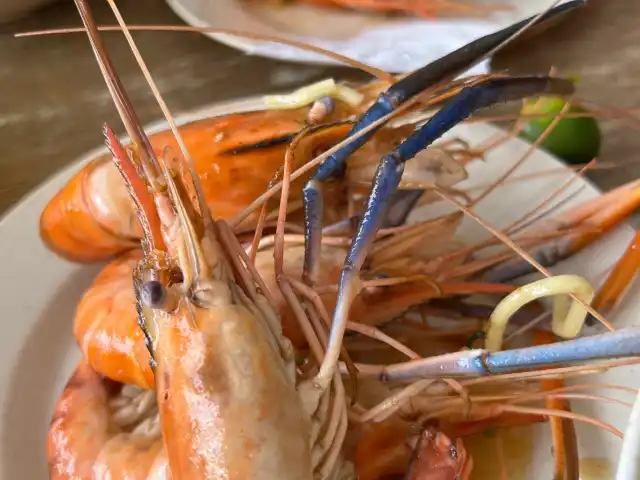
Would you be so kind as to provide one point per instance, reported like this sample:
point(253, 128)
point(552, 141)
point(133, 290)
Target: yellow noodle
point(308, 94)
point(568, 314)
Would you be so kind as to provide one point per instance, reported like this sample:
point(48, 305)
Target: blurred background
point(54, 101)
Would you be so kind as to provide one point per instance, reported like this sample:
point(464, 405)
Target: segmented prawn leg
point(442, 70)
point(563, 433)
point(400, 207)
point(479, 362)
point(390, 172)
point(585, 224)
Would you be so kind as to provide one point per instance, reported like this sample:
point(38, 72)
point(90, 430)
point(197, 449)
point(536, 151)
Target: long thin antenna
point(122, 102)
point(526, 27)
point(373, 71)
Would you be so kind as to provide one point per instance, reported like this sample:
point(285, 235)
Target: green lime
point(574, 140)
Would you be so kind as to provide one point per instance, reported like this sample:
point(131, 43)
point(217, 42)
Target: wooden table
point(54, 101)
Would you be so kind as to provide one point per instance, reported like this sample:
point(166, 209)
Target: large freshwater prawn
point(236, 157)
point(92, 218)
point(225, 374)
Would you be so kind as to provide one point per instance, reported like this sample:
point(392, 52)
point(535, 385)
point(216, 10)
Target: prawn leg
point(387, 302)
point(389, 174)
point(563, 432)
point(479, 362)
point(592, 220)
point(619, 279)
point(441, 70)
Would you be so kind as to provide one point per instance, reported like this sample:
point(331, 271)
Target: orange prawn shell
point(63, 442)
point(84, 444)
point(231, 181)
point(382, 450)
point(70, 228)
point(106, 325)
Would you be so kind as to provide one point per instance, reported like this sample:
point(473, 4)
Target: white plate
point(395, 44)
point(40, 291)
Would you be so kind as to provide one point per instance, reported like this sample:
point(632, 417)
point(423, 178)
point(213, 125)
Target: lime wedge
point(574, 140)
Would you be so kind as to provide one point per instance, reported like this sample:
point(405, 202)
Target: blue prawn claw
point(388, 176)
point(478, 362)
point(442, 70)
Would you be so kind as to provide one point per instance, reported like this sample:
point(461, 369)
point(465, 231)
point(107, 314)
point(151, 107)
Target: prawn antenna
point(142, 146)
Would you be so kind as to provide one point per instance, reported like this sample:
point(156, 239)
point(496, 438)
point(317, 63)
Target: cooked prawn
point(92, 218)
point(236, 157)
point(106, 325)
point(225, 374)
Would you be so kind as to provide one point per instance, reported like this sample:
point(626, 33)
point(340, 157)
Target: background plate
point(392, 43)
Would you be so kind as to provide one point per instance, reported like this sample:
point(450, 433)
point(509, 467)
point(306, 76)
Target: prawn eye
point(153, 294)
point(453, 451)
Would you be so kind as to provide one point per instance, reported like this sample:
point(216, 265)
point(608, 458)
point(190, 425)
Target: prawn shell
point(70, 227)
point(71, 451)
point(382, 450)
point(93, 220)
point(84, 443)
point(106, 325)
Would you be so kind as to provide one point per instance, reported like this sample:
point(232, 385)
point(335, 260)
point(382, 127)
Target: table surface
point(54, 101)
